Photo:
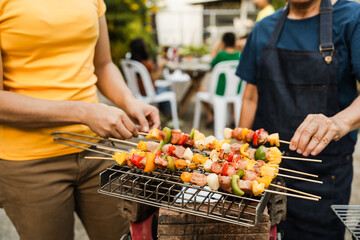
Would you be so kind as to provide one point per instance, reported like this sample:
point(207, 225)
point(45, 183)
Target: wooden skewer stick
point(143, 133)
point(291, 195)
point(296, 191)
point(99, 158)
point(123, 141)
point(298, 172)
point(106, 148)
point(300, 178)
point(286, 142)
point(302, 159)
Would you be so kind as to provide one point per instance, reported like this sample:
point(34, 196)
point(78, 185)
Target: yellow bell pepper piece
point(250, 164)
point(274, 139)
point(243, 149)
point(244, 132)
point(120, 157)
point(204, 159)
point(150, 162)
point(138, 152)
point(185, 176)
point(180, 164)
point(142, 146)
point(153, 134)
point(257, 188)
point(198, 158)
point(266, 180)
point(266, 170)
point(198, 136)
point(274, 155)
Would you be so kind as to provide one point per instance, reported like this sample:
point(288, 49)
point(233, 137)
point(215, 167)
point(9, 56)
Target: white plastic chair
point(132, 69)
point(220, 103)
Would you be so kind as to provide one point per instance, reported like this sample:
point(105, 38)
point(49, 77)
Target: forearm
point(350, 116)
point(248, 111)
point(249, 106)
point(22, 111)
point(112, 85)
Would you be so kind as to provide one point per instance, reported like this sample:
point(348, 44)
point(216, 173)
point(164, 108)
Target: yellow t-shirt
point(48, 50)
point(266, 11)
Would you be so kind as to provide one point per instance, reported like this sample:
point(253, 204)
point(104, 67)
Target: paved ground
point(7, 231)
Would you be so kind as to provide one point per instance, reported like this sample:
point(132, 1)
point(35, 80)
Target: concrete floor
point(8, 232)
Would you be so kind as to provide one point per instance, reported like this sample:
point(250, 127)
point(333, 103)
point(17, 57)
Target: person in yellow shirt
point(55, 55)
point(265, 9)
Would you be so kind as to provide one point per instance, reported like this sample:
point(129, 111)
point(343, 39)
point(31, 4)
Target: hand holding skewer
point(316, 132)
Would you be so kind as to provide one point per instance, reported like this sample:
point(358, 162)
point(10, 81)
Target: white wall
point(180, 24)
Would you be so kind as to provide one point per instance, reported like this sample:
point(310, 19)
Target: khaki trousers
point(40, 197)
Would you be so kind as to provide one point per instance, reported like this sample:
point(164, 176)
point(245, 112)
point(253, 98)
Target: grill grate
point(350, 216)
point(165, 189)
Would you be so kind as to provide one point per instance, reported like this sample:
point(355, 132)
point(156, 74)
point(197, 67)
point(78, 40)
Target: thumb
point(144, 124)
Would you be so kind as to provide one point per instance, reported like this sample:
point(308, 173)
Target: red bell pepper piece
point(230, 157)
point(256, 135)
point(136, 160)
point(184, 137)
point(225, 169)
point(158, 153)
point(171, 149)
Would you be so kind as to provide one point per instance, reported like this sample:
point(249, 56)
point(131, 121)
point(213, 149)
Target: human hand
point(144, 114)
point(161, 62)
point(109, 121)
point(316, 132)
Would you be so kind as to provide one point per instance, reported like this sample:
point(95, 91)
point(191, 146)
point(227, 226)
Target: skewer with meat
point(238, 150)
point(258, 137)
point(223, 171)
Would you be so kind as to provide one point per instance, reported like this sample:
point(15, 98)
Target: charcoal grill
point(164, 189)
point(350, 216)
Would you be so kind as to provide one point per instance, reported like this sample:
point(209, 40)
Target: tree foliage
point(128, 19)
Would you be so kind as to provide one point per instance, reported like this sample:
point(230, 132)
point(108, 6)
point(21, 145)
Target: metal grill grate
point(165, 189)
point(350, 216)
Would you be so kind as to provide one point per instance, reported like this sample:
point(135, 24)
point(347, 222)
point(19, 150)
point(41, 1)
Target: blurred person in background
point(55, 55)
point(240, 43)
point(265, 9)
point(301, 68)
point(140, 52)
point(223, 50)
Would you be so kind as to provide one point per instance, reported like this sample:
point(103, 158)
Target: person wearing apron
point(290, 85)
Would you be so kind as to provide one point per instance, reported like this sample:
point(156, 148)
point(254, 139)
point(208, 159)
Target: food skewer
point(298, 172)
point(292, 195)
point(299, 178)
point(198, 140)
point(265, 190)
point(280, 168)
point(57, 138)
point(283, 141)
point(271, 184)
point(296, 191)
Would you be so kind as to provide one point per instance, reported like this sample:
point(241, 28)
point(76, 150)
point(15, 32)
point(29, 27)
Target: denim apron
point(292, 84)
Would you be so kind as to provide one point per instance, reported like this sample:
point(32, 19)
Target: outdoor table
point(196, 71)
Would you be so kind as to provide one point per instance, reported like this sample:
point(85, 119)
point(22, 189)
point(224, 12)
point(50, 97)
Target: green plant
point(196, 51)
point(128, 19)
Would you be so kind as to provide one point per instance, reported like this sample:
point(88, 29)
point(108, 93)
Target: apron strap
point(278, 27)
point(326, 46)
